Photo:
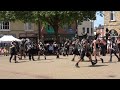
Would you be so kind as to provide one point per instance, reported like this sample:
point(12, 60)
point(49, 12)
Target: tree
point(53, 18)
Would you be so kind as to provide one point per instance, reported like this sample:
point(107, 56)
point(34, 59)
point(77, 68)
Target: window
point(87, 30)
point(113, 32)
point(5, 26)
point(83, 29)
point(28, 26)
point(112, 16)
point(91, 31)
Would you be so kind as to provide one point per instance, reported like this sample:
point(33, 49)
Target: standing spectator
point(51, 49)
point(4, 51)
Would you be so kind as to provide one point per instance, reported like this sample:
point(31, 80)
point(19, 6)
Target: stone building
point(30, 30)
point(112, 22)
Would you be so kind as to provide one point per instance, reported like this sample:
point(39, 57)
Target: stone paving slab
point(62, 68)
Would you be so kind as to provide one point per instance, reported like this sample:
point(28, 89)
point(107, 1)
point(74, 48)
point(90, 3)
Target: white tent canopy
point(8, 38)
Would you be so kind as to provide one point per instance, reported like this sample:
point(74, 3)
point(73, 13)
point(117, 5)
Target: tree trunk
point(55, 27)
point(39, 30)
point(76, 22)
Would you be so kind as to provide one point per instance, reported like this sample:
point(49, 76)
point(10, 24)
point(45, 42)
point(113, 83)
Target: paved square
point(62, 68)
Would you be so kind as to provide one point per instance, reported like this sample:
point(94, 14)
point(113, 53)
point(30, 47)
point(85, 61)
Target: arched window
point(112, 16)
point(113, 32)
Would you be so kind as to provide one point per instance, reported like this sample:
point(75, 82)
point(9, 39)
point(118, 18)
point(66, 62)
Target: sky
point(99, 20)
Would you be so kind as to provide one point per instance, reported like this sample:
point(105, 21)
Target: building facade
point(112, 22)
point(86, 27)
point(30, 30)
point(65, 32)
point(17, 28)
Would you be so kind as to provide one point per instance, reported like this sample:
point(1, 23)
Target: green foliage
point(48, 17)
point(7, 16)
point(52, 18)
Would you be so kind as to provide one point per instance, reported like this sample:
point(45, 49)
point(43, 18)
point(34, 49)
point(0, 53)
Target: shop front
point(62, 37)
point(31, 36)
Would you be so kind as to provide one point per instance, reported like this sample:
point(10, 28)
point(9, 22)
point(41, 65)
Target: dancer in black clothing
point(41, 50)
point(67, 44)
point(30, 50)
point(113, 49)
point(13, 52)
point(76, 50)
point(85, 51)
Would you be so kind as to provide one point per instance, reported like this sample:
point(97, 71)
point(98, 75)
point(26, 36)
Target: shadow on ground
point(44, 59)
point(97, 65)
point(61, 58)
point(46, 62)
point(110, 62)
point(112, 76)
point(22, 61)
point(85, 61)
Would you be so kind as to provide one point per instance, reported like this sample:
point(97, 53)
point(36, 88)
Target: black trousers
point(113, 52)
point(67, 51)
point(103, 50)
point(12, 54)
point(31, 54)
